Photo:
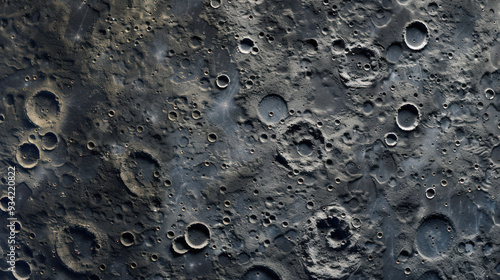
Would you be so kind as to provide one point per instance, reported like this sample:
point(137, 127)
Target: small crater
point(260, 273)
point(212, 137)
point(305, 148)
point(338, 45)
point(197, 235)
point(416, 35)
point(408, 117)
point(127, 239)
point(90, 145)
point(361, 67)
point(22, 270)
point(28, 155)
point(272, 109)
point(179, 245)
point(489, 93)
point(43, 108)
point(434, 236)
point(495, 155)
point(49, 141)
point(430, 193)
point(215, 3)
point(222, 81)
point(246, 45)
point(368, 107)
point(394, 52)
point(391, 139)
point(78, 248)
point(4, 203)
point(137, 172)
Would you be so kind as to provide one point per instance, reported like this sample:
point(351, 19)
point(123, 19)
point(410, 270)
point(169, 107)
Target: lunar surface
point(250, 139)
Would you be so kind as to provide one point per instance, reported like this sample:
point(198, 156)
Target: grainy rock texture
point(251, 139)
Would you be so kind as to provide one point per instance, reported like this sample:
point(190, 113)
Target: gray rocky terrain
point(250, 139)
